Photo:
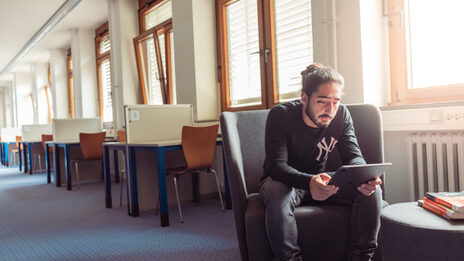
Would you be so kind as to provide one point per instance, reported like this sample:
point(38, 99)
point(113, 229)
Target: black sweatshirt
point(296, 152)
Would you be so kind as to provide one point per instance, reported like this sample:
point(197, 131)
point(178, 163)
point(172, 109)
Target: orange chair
point(198, 145)
point(121, 136)
point(45, 138)
point(92, 149)
point(15, 152)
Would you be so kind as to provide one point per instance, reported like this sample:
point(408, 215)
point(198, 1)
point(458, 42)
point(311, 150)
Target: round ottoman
point(409, 232)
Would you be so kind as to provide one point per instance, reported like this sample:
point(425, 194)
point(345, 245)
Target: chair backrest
point(45, 138)
point(198, 145)
point(121, 136)
point(18, 139)
point(92, 145)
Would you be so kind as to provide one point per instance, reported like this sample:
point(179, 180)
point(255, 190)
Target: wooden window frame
point(70, 82)
point(101, 33)
point(268, 65)
point(165, 28)
point(400, 81)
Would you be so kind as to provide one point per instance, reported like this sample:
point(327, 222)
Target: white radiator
point(435, 163)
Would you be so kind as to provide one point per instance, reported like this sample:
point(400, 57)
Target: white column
point(123, 27)
point(195, 57)
point(60, 91)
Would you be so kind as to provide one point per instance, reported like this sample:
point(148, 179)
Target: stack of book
point(449, 205)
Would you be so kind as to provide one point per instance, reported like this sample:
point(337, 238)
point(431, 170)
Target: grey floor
point(39, 221)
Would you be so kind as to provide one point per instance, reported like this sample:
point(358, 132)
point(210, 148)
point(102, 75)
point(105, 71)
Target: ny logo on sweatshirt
point(322, 145)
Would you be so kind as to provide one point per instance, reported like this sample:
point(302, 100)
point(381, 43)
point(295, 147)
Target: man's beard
point(312, 117)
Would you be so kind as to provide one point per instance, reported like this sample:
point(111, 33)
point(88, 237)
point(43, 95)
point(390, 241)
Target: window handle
point(266, 53)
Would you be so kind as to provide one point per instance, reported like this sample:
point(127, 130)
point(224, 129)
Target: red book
point(452, 200)
point(439, 209)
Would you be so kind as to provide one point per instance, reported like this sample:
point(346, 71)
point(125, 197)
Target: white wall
point(23, 83)
point(2, 110)
point(59, 75)
point(41, 80)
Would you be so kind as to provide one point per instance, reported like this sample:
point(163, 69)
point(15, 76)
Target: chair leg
point(40, 162)
point(219, 189)
point(77, 177)
point(178, 200)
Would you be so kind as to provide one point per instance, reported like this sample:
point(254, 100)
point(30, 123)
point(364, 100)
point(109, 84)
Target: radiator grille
point(435, 163)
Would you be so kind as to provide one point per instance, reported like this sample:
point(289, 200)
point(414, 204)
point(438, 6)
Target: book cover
point(441, 210)
point(452, 200)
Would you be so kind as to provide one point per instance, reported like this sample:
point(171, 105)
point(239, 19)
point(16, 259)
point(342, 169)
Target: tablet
point(349, 177)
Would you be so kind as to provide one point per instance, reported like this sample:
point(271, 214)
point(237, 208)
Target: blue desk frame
point(133, 205)
point(48, 145)
point(25, 155)
point(67, 162)
point(115, 147)
point(5, 159)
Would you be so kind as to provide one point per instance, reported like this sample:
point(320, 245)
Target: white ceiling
point(20, 20)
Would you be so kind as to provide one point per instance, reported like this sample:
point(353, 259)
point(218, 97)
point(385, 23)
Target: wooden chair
point(92, 149)
point(198, 145)
point(15, 152)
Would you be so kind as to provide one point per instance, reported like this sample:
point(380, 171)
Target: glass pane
point(106, 91)
point(158, 15)
point(105, 45)
point(173, 69)
point(243, 53)
point(436, 42)
point(150, 71)
point(42, 105)
point(294, 44)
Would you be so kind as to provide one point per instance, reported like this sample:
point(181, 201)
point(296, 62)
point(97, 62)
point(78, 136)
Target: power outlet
point(454, 115)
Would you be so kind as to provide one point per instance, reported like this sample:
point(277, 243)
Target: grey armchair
point(323, 230)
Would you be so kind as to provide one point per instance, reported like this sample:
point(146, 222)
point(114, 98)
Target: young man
point(300, 135)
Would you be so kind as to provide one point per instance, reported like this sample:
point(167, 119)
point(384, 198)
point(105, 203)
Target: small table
point(409, 232)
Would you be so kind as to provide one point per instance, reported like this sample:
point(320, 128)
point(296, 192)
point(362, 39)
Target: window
point(426, 50)
point(263, 46)
point(70, 84)
point(155, 53)
point(103, 48)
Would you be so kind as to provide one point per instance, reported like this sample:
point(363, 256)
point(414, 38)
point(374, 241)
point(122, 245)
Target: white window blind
point(105, 45)
point(105, 68)
point(435, 42)
point(158, 15)
point(294, 45)
point(243, 53)
point(173, 69)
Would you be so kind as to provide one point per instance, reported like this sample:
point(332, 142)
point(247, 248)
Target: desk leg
point(107, 176)
point(47, 163)
point(67, 165)
point(132, 183)
point(7, 160)
point(56, 164)
point(163, 198)
point(226, 183)
point(116, 166)
point(20, 151)
point(195, 187)
point(29, 157)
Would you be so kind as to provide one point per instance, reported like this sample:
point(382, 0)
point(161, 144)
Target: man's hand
point(320, 190)
point(370, 187)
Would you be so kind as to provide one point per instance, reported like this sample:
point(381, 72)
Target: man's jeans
point(281, 200)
